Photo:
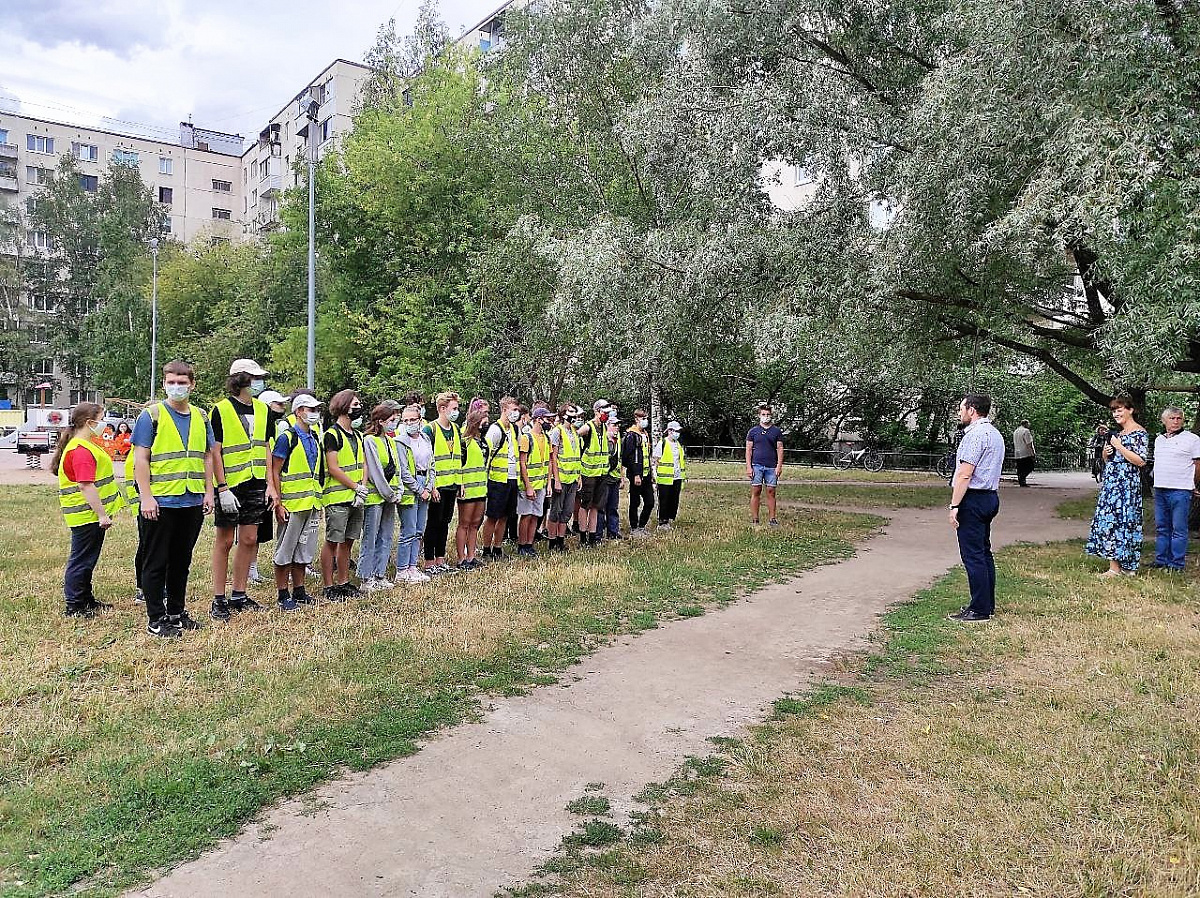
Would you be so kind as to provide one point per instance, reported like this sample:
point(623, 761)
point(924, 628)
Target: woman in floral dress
point(1117, 526)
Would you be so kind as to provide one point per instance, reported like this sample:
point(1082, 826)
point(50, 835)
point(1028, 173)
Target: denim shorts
point(764, 475)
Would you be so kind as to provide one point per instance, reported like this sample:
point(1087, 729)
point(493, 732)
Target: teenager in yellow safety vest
point(670, 472)
point(446, 438)
point(384, 463)
point(565, 458)
point(594, 466)
point(89, 496)
point(535, 476)
point(503, 470)
point(473, 487)
point(173, 444)
point(242, 425)
point(635, 458)
point(344, 495)
point(297, 473)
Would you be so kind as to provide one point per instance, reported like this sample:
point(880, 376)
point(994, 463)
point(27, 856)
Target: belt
point(423, 473)
point(974, 490)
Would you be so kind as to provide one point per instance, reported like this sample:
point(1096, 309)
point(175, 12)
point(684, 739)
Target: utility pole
point(309, 104)
point(153, 314)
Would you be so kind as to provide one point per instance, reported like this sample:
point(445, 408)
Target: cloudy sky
point(135, 65)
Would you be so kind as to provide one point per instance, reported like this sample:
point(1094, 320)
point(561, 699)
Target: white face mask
point(391, 424)
point(643, 423)
point(257, 386)
point(514, 416)
point(177, 391)
point(452, 415)
point(312, 417)
point(96, 428)
point(764, 420)
point(673, 436)
point(413, 429)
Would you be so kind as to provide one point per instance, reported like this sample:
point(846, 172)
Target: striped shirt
point(982, 446)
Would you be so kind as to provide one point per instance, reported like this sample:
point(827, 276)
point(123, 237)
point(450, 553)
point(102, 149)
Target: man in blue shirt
point(975, 503)
point(764, 462)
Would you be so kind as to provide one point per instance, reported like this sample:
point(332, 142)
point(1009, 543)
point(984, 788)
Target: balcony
point(269, 187)
point(9, 182)
point(8, 151)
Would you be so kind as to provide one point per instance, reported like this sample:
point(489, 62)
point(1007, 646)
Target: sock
point(283, 595)
point(219, 600)
point(239, 595)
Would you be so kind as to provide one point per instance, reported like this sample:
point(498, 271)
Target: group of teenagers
point(260, 461)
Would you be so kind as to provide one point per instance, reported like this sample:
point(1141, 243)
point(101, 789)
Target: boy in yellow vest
point(297, 475)
point(535, 461)
point(670, 472)
point(564, 456)
point(173, 444)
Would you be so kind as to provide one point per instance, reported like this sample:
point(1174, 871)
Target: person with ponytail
point(474, 485)
point(386, 492)
point(89, 496)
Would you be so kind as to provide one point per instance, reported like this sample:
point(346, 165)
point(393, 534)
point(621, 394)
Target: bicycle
point(945, 466)
point(868, 458)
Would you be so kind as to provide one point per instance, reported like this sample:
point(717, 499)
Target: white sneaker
point(372, 585)
point(666, 527)
point(385, 582)
point(419, 576)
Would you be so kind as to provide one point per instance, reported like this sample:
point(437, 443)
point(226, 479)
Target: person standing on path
point(1116, 533)
point(635, 458)
point(89, 496)
point(1176, 475)
point(173, 466)
point(974, 504)
point(1023, 452)
point(1096, 446)
point(764, 462)
point(670, 473)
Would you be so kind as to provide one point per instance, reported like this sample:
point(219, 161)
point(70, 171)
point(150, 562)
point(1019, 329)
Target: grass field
point(1052, 752)
point(120, 753)
point(724, 470)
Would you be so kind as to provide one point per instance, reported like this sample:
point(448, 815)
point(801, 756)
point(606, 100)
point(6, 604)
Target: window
point(31, 204)
point(85, 152)
point(125, 157)
point(90, 183)
point(254, 194)
point(80, 369)
point(166, 225)
point(38, 176)
point(223, 214)
point(166, 195)
point(3, 136)
point(218, 241)
point(41, 303)
point(44, 367)
point(8, 170)
point(39, 240)
point(37, 143)
point(164, 165)
point(326, 129)
point(39, 334)
point(221, 186)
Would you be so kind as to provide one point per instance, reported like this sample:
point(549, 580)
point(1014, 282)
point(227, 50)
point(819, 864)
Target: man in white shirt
point(1023, 452)
point(1176, 473)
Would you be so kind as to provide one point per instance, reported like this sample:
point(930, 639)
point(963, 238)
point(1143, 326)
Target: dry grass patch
point(120, 753)
point(1053, 752)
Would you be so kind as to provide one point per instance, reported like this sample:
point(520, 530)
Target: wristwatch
point(952, 507)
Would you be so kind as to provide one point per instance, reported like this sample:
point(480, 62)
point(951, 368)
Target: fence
point(894, 461)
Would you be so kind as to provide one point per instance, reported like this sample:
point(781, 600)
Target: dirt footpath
point(483, 805)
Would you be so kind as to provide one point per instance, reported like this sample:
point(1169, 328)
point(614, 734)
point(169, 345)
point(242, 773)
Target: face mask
point(673, 436)
point(177, 391)
point(312, 417)
point(356, 423)
point(514, 416)
point(604, 417)
point(390, 425)
point(527, 429)
point(257, 386)
point(97, 428)
point(413, 429)
point(452, 416)
point(643, 423)
point(764, 420)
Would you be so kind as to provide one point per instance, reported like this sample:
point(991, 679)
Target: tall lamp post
point(309, 105)
point(153, 313)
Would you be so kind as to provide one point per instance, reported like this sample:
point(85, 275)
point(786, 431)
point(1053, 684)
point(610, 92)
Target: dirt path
point(481, 806)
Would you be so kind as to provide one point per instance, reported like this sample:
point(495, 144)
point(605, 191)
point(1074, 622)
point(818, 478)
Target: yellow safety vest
point(243, 455)
point(568, 454)
point(498, 464)
point(537, 466)
point(645, 441)
point(385, 449)
point(174, 469)
point(474, 473)
point(75, 508)
point(665, 472)
point(447, 458)
point(300, 482)
point(131, 487)
point(350, 460)
point(594, 462)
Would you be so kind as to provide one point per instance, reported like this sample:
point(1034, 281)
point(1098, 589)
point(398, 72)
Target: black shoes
point(81, 611)
point(967, 616)
point(165, 628)
point(243, 603)
point(220, 611)
point(185, 622)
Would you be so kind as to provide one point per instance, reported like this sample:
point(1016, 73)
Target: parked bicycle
point(945, 465)
point(868, 458)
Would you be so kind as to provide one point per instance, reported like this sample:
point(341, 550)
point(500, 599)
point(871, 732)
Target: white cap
point(247, 366)
point(305, 401)
point(269, 396)
point(675, 426)
point(599, 404)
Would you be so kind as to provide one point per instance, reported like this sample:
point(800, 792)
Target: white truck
point(40, 431)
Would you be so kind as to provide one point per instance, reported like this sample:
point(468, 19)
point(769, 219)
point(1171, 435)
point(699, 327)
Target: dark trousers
point(608, 517)
point(86, 542)
point(437, 527)
point(644, 496)
point(1024, 468)
point(1171, 511)
point(168, 544)
point(668, 501)
point(139, 557)
point(975, 515)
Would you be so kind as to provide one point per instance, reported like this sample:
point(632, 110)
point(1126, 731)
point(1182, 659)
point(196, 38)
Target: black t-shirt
point(334, 436)
point(244, 411)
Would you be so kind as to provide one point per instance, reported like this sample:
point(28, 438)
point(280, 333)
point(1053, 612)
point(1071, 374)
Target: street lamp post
point(153, 313)
point(309, 105)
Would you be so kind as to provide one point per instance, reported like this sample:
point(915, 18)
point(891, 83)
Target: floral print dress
point(1117, 526)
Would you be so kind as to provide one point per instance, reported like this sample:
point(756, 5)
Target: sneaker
point(665, 526)
point(288, 604)
point(333, 594)
point(243, 603)
point(967, 616)
point(99, 606)
point(773, 522)
point(220, 611)
point(165, 628)
point(385, 583)
point(350, 591)
point(185, 622)
point(418, 576)
point(304, 599)
point(139, 598)
point(374, 584)
point(83, 611)
point(255, 578)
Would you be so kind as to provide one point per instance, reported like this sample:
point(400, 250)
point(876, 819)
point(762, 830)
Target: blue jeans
point(375, 550)
point(1171, 508)
point(975, 515)
point(412, 525)
point(764, 475)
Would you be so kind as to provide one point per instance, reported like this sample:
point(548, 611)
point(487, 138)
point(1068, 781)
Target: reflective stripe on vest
point(243, 455)
point(175, 470)
point(300, 482)
point(645, 441)
point(350, 460)
point(447, 458)
point(74, 505)
point(568, 454)
point(665, 472)
point(474, 473)
point(385, 451)
point(537, 465)
point(498, 464)
point(594, 462)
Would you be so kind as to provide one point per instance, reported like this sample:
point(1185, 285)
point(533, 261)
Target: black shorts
point(252, 505)
point(593, 491)
point(501, 499)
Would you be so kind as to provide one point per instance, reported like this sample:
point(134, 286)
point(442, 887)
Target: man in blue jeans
point(974, 504)
point(1176, 472)
point(764, 462)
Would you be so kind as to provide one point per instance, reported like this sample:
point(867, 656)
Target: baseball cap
point(305, 401)
point(599, 404)
point(675, 426)
point(542, 412)
point(247, 366)
point(269, 396)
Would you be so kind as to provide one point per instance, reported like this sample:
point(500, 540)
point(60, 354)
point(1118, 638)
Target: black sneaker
point(81, 611)
point(185, 622)
point(243, 603)
point(165, 628)
point(350, 591)
point(288, 604)
point(333, 594)
point(99, 606)
point(220, 611)
point(967, 616)
point(304, 599)
point(139, 598)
